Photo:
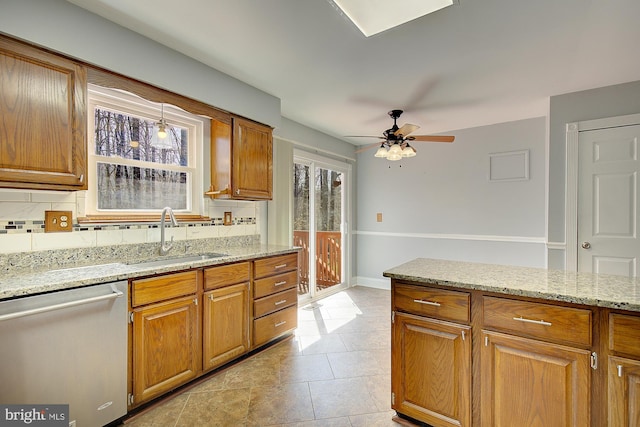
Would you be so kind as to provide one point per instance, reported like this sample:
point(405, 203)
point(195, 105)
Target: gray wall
point(66, 28)
point(610, 101)
point(441, 204)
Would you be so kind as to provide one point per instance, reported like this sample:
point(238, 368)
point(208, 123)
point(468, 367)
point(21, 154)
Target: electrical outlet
point(228, 219)
point(379, 217)
point(55, 221)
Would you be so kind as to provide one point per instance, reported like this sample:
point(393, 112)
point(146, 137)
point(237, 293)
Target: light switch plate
point(379, 217)
point(55, 221)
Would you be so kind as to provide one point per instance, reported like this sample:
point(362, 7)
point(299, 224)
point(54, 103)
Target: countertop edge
point(586, 296)
point(30, 283)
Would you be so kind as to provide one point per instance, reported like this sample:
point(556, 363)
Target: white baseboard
point(372, 282)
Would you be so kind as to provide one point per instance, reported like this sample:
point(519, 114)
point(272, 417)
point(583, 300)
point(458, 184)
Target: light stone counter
point(23, 281)
point(555, 285)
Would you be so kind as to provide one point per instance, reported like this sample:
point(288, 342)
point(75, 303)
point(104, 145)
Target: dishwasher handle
point(115, 294)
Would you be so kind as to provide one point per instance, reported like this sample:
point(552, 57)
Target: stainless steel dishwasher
point(67, 347)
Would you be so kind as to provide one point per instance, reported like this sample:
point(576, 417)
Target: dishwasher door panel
point(67, 347)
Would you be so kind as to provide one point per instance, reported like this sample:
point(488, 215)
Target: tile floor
point(334, 372)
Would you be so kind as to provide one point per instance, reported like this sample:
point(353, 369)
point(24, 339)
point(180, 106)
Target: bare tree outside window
point(132, 174)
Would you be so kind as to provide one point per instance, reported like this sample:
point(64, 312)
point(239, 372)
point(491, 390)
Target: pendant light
point(161, 138)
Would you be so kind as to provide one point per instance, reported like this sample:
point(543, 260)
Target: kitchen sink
point(176, 260)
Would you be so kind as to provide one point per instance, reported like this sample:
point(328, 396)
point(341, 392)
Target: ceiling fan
point(395, 144)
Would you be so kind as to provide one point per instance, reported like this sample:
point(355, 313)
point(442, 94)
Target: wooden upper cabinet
point(241, 160)
point(43, 142)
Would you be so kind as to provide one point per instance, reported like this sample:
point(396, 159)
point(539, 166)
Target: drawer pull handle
point(284, 282)
point(282, 301)
point(280, 323)
point(277, 267)
point(537, 322)
point(421, 301)
point(620, 371)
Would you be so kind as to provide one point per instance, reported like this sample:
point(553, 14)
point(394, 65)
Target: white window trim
point(128, 103)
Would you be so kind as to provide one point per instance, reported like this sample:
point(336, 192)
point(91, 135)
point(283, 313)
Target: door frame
point(304, 157)
point(571, 178)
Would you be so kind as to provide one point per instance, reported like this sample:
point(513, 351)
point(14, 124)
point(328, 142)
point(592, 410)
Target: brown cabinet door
point(225, 324)
point(624, 392)
point(252, 161)
point(165, 347)
point(527, 382)
point(43, 143)
point(431, 370)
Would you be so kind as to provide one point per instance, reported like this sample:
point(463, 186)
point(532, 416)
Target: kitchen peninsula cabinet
point(226, 305)
point(551, 348)
point(431, 361)
point(624, 370)
point(531, 382)
point(241, 160)
point(165, 334)
point(43, 142)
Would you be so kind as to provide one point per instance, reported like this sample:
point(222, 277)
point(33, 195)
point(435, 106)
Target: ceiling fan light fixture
point(395, 153)
point(408, 151)
point(382, 152)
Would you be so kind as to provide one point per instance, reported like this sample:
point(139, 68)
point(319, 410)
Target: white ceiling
point(477, 62)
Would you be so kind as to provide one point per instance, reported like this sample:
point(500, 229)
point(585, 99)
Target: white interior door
point(608, 201)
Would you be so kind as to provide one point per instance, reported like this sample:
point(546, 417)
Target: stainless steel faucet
point(164, 248)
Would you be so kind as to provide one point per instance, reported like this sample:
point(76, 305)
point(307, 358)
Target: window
point(131, 175)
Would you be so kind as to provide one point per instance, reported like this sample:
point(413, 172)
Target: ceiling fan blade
point(406, 129)
point(432, 138)
point(368, 147)
point(364, 136)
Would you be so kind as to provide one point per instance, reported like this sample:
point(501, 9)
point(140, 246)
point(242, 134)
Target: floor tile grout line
point(182, 410)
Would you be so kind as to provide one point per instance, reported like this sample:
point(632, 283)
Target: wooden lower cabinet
point(274, 325)
point(165, 346)
point(527, 382)
point(624, 392)
point(431, 365)
point(225, 324)
point(191, 322)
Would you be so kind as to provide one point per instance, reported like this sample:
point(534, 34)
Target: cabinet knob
point(238, 192)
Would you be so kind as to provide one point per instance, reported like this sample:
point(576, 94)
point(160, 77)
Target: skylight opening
point(375, 16)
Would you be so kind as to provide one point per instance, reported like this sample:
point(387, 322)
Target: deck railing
point(328, 259)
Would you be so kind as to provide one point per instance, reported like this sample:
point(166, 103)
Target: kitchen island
point(479, 344)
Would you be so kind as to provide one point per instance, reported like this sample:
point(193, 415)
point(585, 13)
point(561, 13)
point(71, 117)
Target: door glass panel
point(328, 221)
point(301, 194)
point(319, 195)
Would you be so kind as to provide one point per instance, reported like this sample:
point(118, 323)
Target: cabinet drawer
point(431, 302)
point(275, 265)
point(273, 284)
point(216, 277)
point(624, 334)
point(154, 289)
point(275, 302)
point(268, 327)
point(543, 321)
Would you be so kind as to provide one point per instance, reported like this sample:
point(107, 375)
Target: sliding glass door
point(320, 223)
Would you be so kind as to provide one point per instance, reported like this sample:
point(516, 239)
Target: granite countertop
point(31, 281)
point(598, 290)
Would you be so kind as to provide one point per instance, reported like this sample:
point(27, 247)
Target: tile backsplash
point(22, 223)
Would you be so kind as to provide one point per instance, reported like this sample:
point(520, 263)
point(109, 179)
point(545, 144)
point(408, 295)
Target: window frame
point(128, 103)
